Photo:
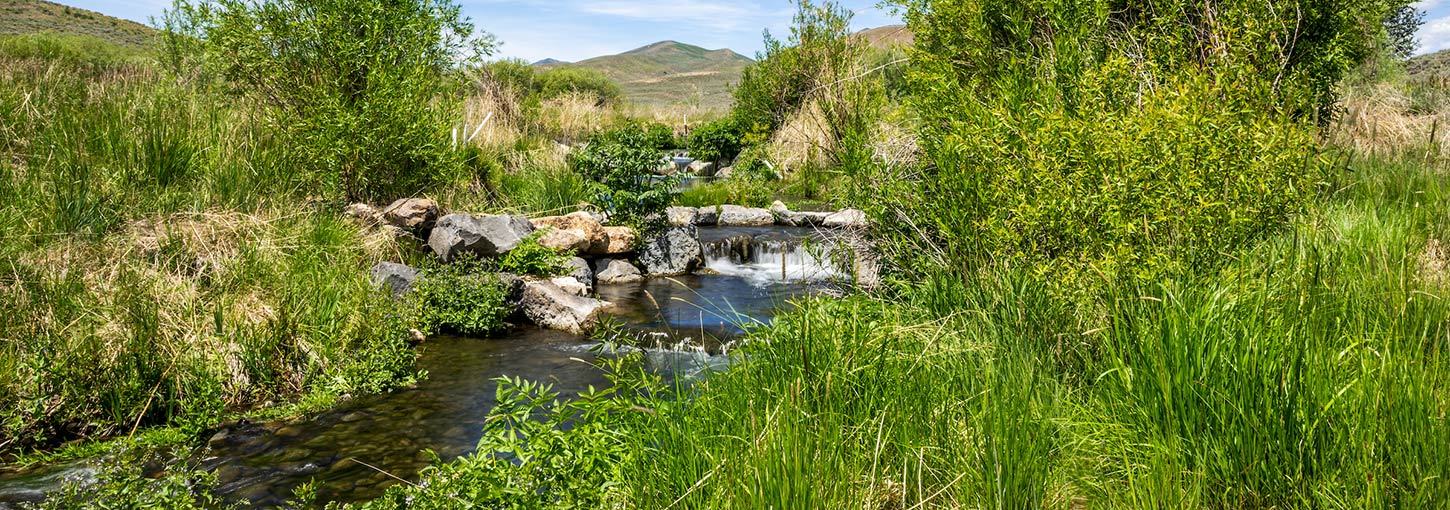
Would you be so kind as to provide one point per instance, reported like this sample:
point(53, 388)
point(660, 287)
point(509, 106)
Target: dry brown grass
point(1381, 119)
point(575, 116)
point(805, 139)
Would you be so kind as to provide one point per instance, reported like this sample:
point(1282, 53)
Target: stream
point(353, 452)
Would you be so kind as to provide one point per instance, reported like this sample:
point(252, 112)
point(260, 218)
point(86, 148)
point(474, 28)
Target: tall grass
point(160, 265)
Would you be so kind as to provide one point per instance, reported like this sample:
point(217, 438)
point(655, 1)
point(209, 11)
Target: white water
point(764, 262)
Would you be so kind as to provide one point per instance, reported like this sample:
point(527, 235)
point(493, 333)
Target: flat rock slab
point(737, 216)
point(616, 271)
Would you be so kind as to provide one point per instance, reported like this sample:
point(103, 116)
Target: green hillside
point(1436, 64)
point(33, 16)
point(669, 72)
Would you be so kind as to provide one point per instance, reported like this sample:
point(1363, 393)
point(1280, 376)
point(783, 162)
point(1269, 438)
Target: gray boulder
point(571, 285)
point(362, 213)
point(725, 171)
point(804, 219)
point(416, 215)
point(582, 272)
point(674, 251)
point(486, 235)
point(846, 218)
point(681, 216)
point(616, 271)
point(736, 216)
point(397, 278)
point(707, 216)
point(552, 307)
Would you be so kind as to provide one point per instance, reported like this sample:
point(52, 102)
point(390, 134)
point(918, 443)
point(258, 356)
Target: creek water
point(357, 450)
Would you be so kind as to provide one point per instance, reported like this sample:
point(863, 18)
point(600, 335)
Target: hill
point(669, 72)
point(1432, 64)
point(888, 36)
point(32, 16)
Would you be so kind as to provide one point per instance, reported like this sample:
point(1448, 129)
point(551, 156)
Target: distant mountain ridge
point(1431, 64)
point(669, 72)
point(34, 16)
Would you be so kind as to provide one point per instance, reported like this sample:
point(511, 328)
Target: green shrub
point(81, 50)
point(365, 116)
point(1060, 149)
point(464, 297)
point(660, 136)
point(623, 162)
point(534, 259)
point(575, 80)
point(715, 141)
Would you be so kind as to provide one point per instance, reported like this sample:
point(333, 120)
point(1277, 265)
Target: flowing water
point(354, 451)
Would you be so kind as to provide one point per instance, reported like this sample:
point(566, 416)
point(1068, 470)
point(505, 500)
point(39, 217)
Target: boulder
point(804, 219)
point(615, 241)
point(846, 218)
point(702, 168)
point(707, 216)
point(397, 278)
point(565, 240)
point(779, 208)
point(571, 285)
point(680, 216)
point(412, 214)
point(581, 221)
point(486, 235)
point(552, 307)
point(674, 251)
point(582, 272)
point(724, 172)
point(616, 271)
point(736, 216)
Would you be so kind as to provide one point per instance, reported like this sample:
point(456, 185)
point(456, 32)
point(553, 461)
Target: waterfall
point(772, 258)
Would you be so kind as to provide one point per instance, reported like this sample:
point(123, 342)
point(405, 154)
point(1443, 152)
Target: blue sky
point(579, 29)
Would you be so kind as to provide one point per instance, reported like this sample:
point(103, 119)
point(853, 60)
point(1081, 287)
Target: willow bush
point(1111, 140)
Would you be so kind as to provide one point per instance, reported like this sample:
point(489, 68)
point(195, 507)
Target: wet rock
point(486, 235)
point(415, 215)
point(736, 216)
point(707, 216)
point(571, 285)
point(218, 439)
point(289, 431)
point(674, 251)
point(397, 278)
point(552, 307)
point(846, 218)
point(681, 216)
point(582, 272)
point(565, 240)
point(616, 271)
point(416, 337)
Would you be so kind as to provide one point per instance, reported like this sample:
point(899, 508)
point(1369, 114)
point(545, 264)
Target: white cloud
point(1435, 35)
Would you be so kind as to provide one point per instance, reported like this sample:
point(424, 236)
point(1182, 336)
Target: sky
point(574, 30)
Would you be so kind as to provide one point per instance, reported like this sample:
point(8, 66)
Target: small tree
point(355, 84)
point(622, 162)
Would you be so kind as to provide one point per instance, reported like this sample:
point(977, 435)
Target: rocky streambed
point(687, 295)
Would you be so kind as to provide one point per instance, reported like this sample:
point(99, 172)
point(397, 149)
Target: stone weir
point(762, 246)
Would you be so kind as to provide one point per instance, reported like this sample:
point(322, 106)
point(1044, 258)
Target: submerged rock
point(674, 251)
point(486, 235)
point(416, 215)
point(616, 271)
point(397, 278)
point(736, 216)
point(550, 306)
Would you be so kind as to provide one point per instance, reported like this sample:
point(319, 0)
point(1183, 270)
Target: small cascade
point(771, 258)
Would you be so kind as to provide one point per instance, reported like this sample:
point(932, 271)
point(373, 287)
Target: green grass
point(38, 16)
point(160, 265)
